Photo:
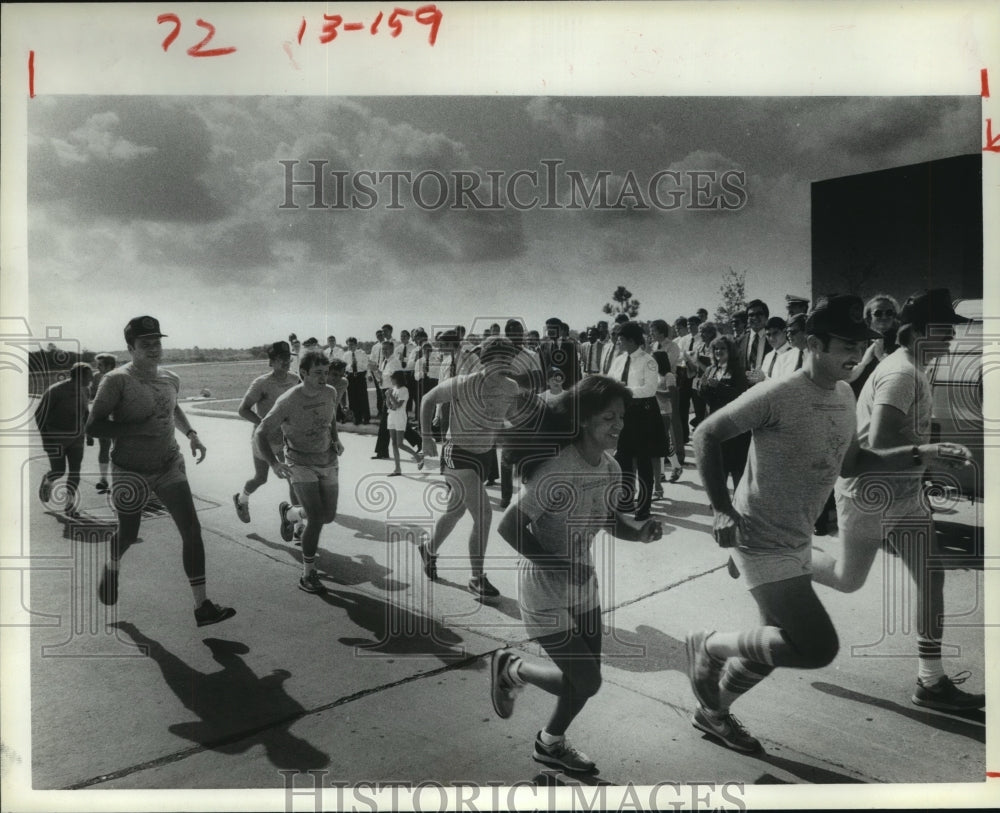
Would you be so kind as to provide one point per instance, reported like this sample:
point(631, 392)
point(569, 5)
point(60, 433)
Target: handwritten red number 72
point(199, 48)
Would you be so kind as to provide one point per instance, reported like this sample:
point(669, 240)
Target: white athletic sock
point(308, 565)
point(550, 739)
point(929, 667)
point(198, 590)
point(244, 498)
point(296, 512)
point(514, 672)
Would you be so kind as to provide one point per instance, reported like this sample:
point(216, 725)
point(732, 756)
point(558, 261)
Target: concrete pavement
point(386, 677)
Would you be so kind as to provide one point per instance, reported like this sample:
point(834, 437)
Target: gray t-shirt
point(898, 383)
point(801, 433)
point(262, 394)
point(306, 422)
point(568, 501)
point(128, 397)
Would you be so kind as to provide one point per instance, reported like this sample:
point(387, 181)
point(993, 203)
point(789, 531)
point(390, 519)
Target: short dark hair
point(313, 357)
point(631, 331)
point(758, 303)
point(776, 323)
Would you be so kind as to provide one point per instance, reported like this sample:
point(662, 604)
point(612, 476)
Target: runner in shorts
point(136, 406)
point(306, 416)
point(894, 408)
point(105, 363)
point(257, 402)
point(565, 501)
point(479, 402)
point(803, 436)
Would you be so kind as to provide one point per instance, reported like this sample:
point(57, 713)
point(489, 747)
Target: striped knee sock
point(738, 678)
point(198, 589)
point(929, 668)
point(308, 564)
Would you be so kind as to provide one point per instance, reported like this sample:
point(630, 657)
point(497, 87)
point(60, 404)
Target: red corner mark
point(984, 81)
point(31, 74)
point(992, 144)
point(993, 774)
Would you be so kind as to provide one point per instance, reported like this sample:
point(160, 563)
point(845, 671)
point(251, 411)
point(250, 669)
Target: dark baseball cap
point(142, 326)
point(841, 316)
point(279, 349)
point(931, 307)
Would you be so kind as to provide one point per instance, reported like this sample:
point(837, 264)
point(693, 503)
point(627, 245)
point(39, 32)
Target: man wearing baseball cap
point(257, 402)
point(894, 409)
point(136, 406)
point(803, 436)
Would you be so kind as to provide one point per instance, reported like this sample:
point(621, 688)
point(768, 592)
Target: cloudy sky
point(173, 206)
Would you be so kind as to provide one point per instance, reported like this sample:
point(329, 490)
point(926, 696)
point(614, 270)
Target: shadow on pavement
point(644, 650)
point(237, 709)
point(345, 570)
point(395, 630)
point(971, 724)
point(802, 770)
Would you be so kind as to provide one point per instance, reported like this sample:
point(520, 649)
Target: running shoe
point(242, 509)
point(502, 692)
point(107, 590)
point(946, 696)
point(420, 462)
point(657, 493)
point(727, 730)
point(287, 526)
point(703, 671)
point(481, 588)
point(430, 562)
point(675, 475)
point(562, 755)
point(211, 613)
point(102, 487)
point(45, 490)
point(311, 583)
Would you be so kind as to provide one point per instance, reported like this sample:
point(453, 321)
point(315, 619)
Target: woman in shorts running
point(567, 498)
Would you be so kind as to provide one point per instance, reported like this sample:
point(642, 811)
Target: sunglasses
point(880, 314)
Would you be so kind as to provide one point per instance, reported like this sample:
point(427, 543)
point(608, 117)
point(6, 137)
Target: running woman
point(894, 408)
point(306, 416)
point(136, 406)
point(257, 402)
point(479, 402)
point(61, 418)
point(803, 436)
point(565, 501)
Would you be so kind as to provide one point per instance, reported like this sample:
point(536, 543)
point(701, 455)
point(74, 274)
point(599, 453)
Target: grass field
point(224, 379)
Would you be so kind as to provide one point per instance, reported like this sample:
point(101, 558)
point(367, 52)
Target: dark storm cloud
point(125, 159)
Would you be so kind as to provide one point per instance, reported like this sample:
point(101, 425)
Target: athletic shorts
point(324, 475)
point(765, 565)
point(869, 525)
point(455, 457)
point(133, 488)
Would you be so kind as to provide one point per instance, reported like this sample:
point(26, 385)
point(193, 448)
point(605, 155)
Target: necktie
point(426, 363)
point(770, 367)
point(628, 361)
point(607, 361)
point(752, 355)
point(799, 363)
point(590, 361)
point(402, 355)
point(354, 362)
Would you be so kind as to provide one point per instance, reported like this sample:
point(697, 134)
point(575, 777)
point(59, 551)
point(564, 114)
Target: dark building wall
point(899, 230)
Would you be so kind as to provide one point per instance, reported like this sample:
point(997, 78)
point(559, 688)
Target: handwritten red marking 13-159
point(333, 24)
point(198, 49)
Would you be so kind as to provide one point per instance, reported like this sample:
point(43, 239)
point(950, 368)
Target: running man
point(257, 402)
point(105, 363)
point(61, 417)
point(894, 408)
point(136, 406)
point(306, 415)
point(479, 403)
point(803, 437)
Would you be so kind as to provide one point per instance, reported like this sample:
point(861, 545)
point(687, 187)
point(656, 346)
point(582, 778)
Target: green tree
point(734, 296)
point(623, 303)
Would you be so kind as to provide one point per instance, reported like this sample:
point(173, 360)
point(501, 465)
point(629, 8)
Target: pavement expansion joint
point(290, 719)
